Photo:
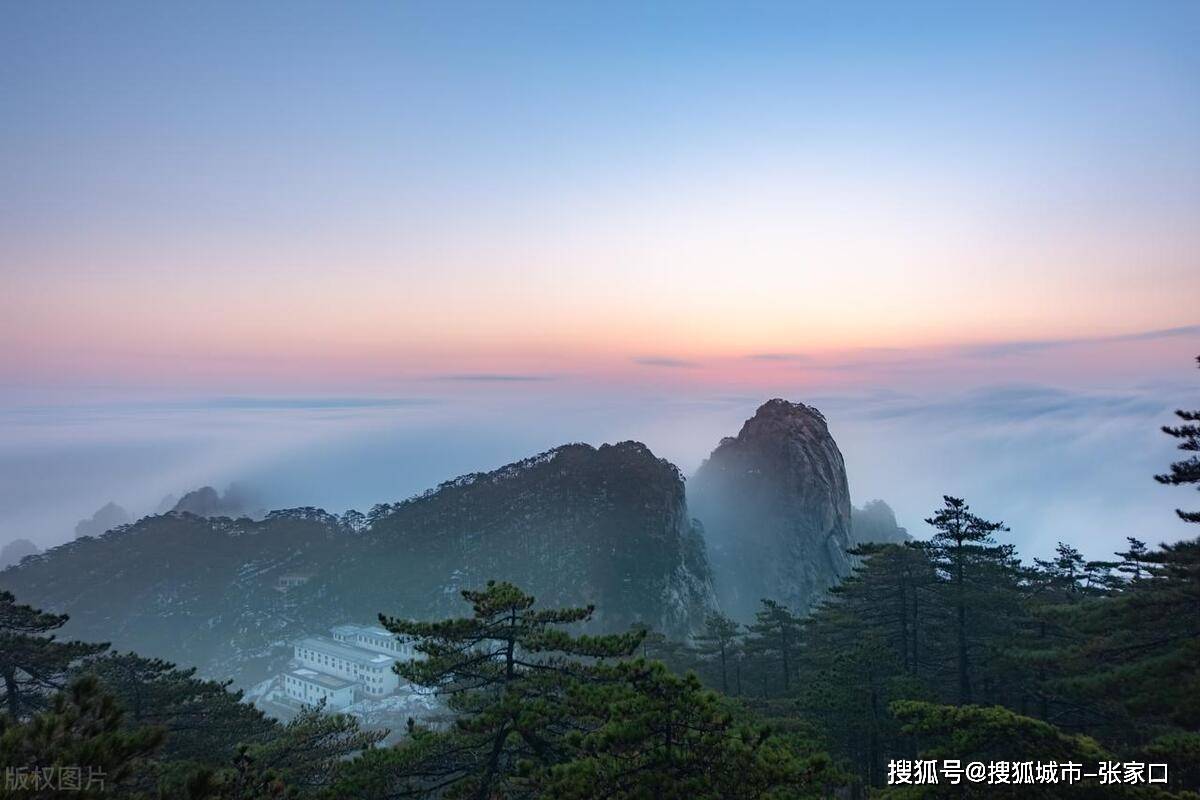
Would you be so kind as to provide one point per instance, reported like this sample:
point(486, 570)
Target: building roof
point(321, 679)
point(351, 629)
point(344, 651)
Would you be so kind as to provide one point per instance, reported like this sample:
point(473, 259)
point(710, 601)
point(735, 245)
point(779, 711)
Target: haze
point(344, 254)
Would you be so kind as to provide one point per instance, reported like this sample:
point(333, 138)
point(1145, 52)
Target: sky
point(343, 252)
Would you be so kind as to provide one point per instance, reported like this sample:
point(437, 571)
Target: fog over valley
point(1069, 460)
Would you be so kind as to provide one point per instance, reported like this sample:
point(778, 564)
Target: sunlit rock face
point(775, 506)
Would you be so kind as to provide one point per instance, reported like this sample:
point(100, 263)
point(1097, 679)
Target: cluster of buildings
point(353, 664)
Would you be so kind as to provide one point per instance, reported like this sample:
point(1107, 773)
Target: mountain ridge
point(574, 524)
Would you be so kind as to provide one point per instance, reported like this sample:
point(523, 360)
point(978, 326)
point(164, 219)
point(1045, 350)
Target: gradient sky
point(298, 193)
point(584, 207)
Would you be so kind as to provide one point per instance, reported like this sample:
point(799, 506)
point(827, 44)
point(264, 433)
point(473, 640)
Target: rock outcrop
point(876, 523)
point(107, 517)
point(237, 501)
point(775, 506)
point(14, 551)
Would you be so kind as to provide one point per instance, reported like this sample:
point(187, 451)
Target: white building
point(371, 670)
point(310, 687)
point(373, 637)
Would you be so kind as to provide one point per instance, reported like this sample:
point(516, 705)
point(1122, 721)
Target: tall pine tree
point(772, 642)
point(1187, 471)
point(33, 663)
point(977, 590)
point(507, 671)
point(719, 642)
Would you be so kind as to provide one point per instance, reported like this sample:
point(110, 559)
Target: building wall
point(312, 693)
point(376, 678)
point(329, 663)
point(378, 640)
point(378, 681)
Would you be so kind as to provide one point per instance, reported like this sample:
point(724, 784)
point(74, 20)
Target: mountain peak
point(778, 407)
point(775, 505)
point(779, 411)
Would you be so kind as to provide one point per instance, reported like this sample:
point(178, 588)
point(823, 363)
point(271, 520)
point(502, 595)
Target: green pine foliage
point(718, 646)
point(507, 671)
point(1135, 654)
point(976, 595)
point(546, 712)
point(1185, 472)
point(78, 746)
point(643, 732)
point(33, 663)
point(204, 721)
point(772, 643)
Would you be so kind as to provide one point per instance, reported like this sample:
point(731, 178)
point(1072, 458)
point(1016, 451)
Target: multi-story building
point(310, 687)
point(373, 637)
point(370, 670)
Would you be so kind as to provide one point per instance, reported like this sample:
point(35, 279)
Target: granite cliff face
point(574, 525)
point(775, 505)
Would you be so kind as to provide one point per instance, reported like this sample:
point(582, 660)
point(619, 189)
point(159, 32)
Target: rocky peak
point(14, 551)
point(109, 516)
point(775, 505)
point(778, 422)
point(876, 523)
point(237, 501)
point(778, 408)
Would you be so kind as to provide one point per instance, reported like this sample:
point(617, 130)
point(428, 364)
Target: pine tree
point(889, 592)
point(859, 652)
point(977, 587)
point(773, 637)
point(718, 641)
point(1186, 471)
point(205, 721)
point(1136, 656)
point(1133, 559)
point(245, 780)
point(994, 734)
point(1066, 576)
point(78, 741)
point(306, 752)
point(647, 733)
point(32, 662)
point(656, 646)
point(506, 671)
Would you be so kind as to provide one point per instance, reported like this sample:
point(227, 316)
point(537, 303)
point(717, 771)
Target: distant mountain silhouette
point(876, 522)
point(109, 516)
point(237, 501)
point(14, 551)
